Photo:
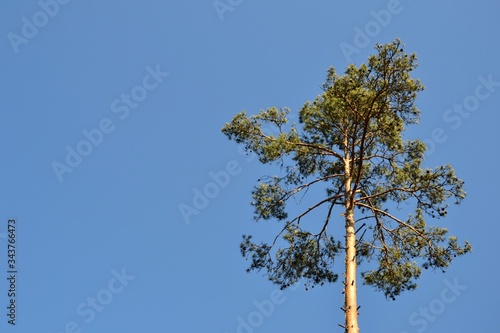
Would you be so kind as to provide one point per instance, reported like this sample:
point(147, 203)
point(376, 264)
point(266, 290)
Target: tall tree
point(350, 145)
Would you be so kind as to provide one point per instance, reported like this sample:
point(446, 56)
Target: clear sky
point(110, 126)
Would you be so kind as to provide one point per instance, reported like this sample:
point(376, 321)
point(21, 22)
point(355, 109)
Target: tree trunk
point(351, 305)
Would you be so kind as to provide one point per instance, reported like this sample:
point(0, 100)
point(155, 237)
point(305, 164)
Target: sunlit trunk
point(350, 306)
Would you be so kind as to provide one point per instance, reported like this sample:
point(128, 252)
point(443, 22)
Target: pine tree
point(350, 145)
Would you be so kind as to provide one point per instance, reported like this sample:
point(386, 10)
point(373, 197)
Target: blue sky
point(140, 90)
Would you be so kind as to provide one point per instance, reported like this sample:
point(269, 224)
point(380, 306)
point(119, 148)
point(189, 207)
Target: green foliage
point(269, 148)
point(350, 143)
point(307, 256)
